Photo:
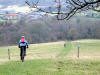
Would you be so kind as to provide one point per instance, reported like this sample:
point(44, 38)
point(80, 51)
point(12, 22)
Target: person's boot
point(20, 57)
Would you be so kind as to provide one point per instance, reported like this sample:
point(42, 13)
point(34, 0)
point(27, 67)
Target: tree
point(73, 34)
point(64, 9)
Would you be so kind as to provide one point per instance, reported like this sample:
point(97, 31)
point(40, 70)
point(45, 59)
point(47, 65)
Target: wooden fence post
point(8, 53)
point(78, 54)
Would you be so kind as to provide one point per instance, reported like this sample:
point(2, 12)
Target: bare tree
point(70, 7)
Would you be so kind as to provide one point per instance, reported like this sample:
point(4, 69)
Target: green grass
point(66, 49)
point(51, 67)
point(53, 59)
point(88, 48)
point(2, 21)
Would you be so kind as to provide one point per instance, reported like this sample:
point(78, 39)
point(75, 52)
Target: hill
point(20, 5)
point(10, 2)
point(53, 59)
point(4, 3)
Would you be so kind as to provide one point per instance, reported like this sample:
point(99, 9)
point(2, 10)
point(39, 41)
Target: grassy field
point(53, 59)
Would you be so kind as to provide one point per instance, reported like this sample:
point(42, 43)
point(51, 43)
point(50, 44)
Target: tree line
point(48, 29)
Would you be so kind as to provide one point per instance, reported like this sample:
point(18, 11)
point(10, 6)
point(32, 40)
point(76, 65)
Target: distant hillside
point(17, 4)
point(20, 2)
point(6, 3)
point(12, 2)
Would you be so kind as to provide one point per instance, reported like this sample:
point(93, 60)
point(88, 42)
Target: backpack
point(23, 40)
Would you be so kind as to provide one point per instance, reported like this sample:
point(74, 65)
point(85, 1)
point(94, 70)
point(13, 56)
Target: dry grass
point(89, 49)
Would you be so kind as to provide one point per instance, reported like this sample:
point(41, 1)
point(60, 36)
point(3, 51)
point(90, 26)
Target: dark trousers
point(21, 50)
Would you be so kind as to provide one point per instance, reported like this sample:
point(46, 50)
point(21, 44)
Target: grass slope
point(51, 67)
point(53, 59)
point(66, 49)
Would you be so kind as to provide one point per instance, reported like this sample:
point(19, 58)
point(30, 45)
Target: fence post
point(8, 53)
point(78, 54)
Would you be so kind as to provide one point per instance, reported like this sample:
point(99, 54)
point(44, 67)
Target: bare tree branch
point(72, 6)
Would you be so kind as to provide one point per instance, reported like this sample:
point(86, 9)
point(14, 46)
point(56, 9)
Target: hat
point(22, 36)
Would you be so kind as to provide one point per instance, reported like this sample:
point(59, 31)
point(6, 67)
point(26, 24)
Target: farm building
point(12, 16)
